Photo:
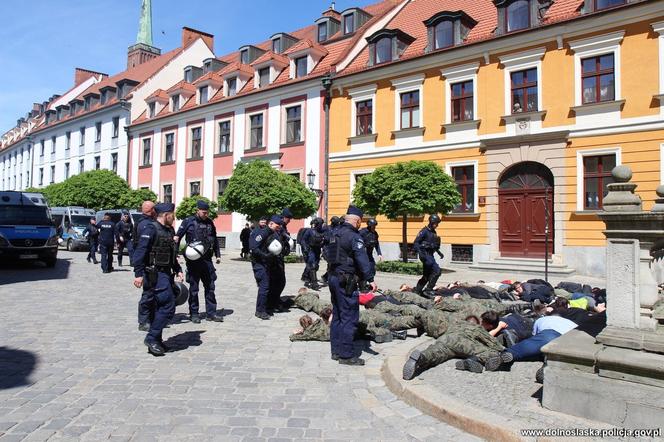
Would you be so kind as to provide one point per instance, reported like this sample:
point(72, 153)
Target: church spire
point(145, 25)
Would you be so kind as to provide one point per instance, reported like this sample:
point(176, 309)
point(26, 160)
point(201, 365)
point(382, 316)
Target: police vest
point(316, 240)
point(203, 233)
point(164, 250)
point(339, 251)
point(370, 239)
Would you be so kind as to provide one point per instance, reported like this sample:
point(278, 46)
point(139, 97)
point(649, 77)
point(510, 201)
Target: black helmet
point(371, 222)
point(181, 293)
point(434, 219)
point(335, 221)
point(317, 222)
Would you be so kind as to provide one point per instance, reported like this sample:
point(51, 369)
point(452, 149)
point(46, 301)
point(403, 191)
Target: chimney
point(190, 35)
point(332, 13)
point(80, 75)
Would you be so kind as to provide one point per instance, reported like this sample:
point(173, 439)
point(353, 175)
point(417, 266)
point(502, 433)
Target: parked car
point(71, 222)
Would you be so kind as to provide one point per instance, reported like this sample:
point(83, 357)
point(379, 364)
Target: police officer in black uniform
point(426, 244)
point(106, 243)
point(314, 239)
point(155, 266)
point(349, 270)
point(123, 233)
point(278, 279)
point(146, 303)
point(91, 232)
point(201, 228)
point(370, 237)
point(328, 230)
point(265, 262)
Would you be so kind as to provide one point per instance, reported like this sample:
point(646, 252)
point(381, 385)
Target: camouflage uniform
point(436, 322)
point(310, 302)
point(399, 309)
point(410, 298)
point(376, 323)
point(317, 331)
point(467, 306)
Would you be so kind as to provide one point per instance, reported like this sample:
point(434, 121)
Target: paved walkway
point(73, 367)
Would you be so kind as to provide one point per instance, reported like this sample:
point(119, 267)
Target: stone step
point(522, 265)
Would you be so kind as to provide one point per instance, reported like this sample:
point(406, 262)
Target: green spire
point(145, 25)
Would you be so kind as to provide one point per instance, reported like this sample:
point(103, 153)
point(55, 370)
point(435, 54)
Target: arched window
point(517, 15)
point(383, 50)
point(444, 34)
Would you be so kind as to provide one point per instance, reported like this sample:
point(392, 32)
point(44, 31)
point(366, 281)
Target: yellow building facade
point(528, 123)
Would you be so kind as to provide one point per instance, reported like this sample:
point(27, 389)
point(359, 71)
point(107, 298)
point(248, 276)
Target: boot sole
point(410, 367)
point(495, 362)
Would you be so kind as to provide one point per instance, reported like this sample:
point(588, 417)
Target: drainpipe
point(327, 85)
point(125, 105)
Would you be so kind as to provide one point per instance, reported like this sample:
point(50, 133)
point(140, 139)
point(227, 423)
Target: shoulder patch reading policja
point(259, 238)
point(360, 244)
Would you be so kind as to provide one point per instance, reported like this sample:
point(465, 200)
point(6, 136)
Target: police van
point(27, 232)
point(116, 215)
point(70, 223)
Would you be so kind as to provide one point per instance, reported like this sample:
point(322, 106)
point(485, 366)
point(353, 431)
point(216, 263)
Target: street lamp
point(311, 178)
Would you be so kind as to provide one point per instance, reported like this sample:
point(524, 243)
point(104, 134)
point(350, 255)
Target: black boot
point(431, 283)
point(313, 280)
point(418, 288)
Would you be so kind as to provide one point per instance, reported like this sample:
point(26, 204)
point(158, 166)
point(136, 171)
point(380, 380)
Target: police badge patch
point(259, 238)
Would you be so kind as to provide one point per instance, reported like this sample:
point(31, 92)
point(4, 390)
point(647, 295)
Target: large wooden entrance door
point(525, 199)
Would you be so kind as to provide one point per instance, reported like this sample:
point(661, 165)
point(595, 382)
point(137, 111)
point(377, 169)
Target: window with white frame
point(114, 162)
point(167, 193)
point(301, 68)
point(67, 139)
point(461, 85)
point(97, 162)
point(658, 28)
point(222, 183)
point(66, 170)
point(169, 147)
point(363, 117)
point(196, 146)
point(53, 140)
point(81, 133)
point(98, 131)
point(231, 84)
point(464, 174)
point(408, 105)
point(256, 131)
point(116, 127)
point(147, 152)
point(593, 175)
point(203, 94)
point(356, 176)
point(523, 82)
point(224, 143)
point(293, 124)
point(81, 166)
point(263, 77)
point(194, 188)
point(175, 103)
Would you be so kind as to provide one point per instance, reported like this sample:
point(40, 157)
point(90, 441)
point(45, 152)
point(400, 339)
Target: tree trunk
point(404, 239)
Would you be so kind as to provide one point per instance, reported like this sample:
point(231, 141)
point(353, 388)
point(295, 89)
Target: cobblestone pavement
point(73, 367)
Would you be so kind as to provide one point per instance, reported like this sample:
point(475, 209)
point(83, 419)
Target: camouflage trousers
point(463, 342)
point(399, 309)
point(310, 302)
point(410, 298)
point(375, 323)
point(318, 331)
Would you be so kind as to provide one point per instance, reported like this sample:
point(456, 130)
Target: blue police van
point(27, 231)
point(70, 223)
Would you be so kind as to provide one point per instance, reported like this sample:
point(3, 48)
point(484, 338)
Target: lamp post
point(311, 178)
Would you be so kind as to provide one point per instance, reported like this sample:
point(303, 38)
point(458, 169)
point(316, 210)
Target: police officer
point(426, 244)
point(123, 232)
point(155, 265)
point(304, 248)
point(91, 232)
point(370, 237)
point(201, 228)
point(314, 239)
point(327, 234)
point(264, 262)
point(106, 243)
point(146, 303)
point(278, 279)
point(349, 267)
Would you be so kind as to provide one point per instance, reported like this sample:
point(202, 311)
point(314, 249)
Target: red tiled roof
point(182, 85)
point(305, 44)
point(269, 55)
point(214, 76)
point(236, 67)
point(159, 93)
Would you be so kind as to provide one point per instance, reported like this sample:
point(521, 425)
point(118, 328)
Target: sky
point(42, 41)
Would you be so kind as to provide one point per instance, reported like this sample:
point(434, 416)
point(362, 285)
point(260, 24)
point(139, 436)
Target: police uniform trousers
point(202, 270)
point(277, 284)
point(262, 276)
point(313, 259)
point(106, 251)
point(345, 317)
point(146, 306)
point(431, 267)
point(164, 306)
point(130, 251)
point(93, 244)
point(372, 261)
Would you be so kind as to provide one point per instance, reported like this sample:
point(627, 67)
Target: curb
point(446, 408)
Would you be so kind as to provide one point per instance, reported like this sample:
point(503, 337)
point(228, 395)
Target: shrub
point(406, 268)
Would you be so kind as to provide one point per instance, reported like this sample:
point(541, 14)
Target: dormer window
point(517, 15)
point(322, 32)
point(353, 19)
point(244, 56)
point(203, 95)
point(152, 109)
point(301, 67)
point(86, 105)
point(443, 34)
point(383, 51)
point(263, 77)
point(175, 103)
point(232, 86)
point(276, 45)
point(72, 109)
point(104, 97)
point(281, 42)
point(387, 45)
point(349, 24)
point(188, 75)
point(598, 5)
point(327, 27)
point(447, 29)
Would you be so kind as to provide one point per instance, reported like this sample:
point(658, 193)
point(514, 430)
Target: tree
point(257, 189)
point(133, 199)
point(412, 188)
point(187, 207)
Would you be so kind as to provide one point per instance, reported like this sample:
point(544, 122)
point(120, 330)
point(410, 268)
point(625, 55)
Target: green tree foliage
point(400, 190)
point(95, 189)
point(187, 207)
point(257, 189)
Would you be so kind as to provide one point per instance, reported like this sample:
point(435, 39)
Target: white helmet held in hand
point(275, 247)
point(194, 251)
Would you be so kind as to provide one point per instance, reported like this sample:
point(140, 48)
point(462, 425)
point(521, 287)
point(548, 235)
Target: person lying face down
point(510, 328)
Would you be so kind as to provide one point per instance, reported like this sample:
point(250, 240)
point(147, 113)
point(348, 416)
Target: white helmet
point(194, 251)
point(275, 247)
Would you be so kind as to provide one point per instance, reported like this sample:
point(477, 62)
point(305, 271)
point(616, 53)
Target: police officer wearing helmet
point(349, 269)
point(201, 228)
point(265, 247)
point(314, 239)
point(91, 232)
point(155, 266)
point(426, 244)
point(123, 232)
point(106, 243)
point(370, 237)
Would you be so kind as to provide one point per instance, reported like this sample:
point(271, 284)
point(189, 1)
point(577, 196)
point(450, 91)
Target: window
point(203, 94)
point(167, 194)
point(263, 77)
point(67, 139)
point(462, 101)
point(293, 124)
point(410, 109)
point(300, 67)
point(176, 103)
point(52, 174)
point(81, 132)
point(188, 75)
point(598, 79)
point(517, 15)
point(462, 253)
point(322, 32)
point(41, 176)
point(66, 170)
point(42, 146)
point(116, 127)
point(349, 23)
point(97, 163)
point(443, 34)
point(276, 45)
point(151, 109)
point(196, 151)
point(114, 162)
point(194, 188)
point(464, 177)
point(604, 4)
point(147, 147)
point(244, 56)
point(98, 131)
point(256, 128)
point(81, 166)
point(383, 52)
point(222, 183)
point(364, 117)
point(232, 86)
point(169, 147)
point(524, 91)
point(224, 136)
point(52, 144)
point(596, 176)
